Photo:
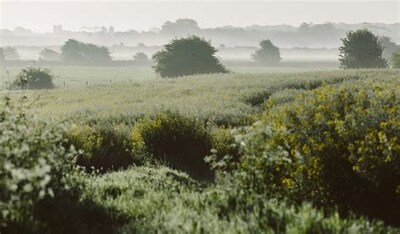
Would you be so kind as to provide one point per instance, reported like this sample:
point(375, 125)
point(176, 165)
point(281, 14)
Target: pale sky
point(123, 15)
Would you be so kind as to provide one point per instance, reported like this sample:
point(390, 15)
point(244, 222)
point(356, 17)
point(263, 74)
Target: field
point(111, 113)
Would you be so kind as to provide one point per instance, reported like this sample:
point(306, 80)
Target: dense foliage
point(395, 60)
point(176, 140)
point(34, 78)
point(187, 56)
point(361, 49)
point(75, 52)
point(49, 55)
point(333, 146)
point(268, 54)
point(103, 147)
point(34, 163)
point(389, 47)
point(10, 53)
point(141, 58)
point(322, 140)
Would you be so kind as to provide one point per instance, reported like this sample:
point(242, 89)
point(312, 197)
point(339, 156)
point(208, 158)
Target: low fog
point(302, 30)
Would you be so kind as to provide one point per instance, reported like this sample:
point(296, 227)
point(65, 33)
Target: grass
point(149, 200)
point(225, 99)
point(152, 199)
point(75, 76)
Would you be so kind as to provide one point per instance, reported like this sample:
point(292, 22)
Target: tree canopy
point(76, 52)
point(49, 55)
point(187, 56)
point(361, 49)
point(268, 54)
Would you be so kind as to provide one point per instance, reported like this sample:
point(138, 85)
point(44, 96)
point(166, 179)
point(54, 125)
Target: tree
point(389, 47)
point(34, 78)
point(187, 56)
point(395, 60)
point(76, 52)
point(361, 49)
point(49, 55)
point(268, 54)
point(2, 57)
point(141, 58)
point(10, 53)
point(180, 27)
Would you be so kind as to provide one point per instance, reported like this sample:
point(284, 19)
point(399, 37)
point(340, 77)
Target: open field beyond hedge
point(122, 120)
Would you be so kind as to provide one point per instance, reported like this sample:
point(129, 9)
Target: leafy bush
point(333, 146)
point(225, 153)
point(103, 147)
point(187, 56)
point(34, 163)
point(395, 60)
point(179, 141)
point(34, 78)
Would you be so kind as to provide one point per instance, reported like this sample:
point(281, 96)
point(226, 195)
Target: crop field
point(127, 186)
point(74, 76)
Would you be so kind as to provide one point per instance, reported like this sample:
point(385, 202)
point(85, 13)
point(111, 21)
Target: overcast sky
point(124, 15)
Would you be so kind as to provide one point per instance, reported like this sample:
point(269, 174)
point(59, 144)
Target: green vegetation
point(187, 56)
point(33, 163)
point(49, 55)
point(75, 52)
point(268, 54)
point(34, 78)
point(311, 152)
point(178, 141)
point(361, 49)
point(141, 58)
point(396, 60)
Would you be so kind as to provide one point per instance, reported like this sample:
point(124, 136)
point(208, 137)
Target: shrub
point(34, 78)
point(333, 146)
point(225, 153)
point(34, 163)
point(179, 141)
point(187, 56)
point(361, 49)
point(395, 60)
point(106, 147)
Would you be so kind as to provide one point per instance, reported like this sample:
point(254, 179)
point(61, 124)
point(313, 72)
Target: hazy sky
point(123, 15)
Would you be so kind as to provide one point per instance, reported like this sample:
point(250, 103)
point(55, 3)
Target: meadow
point(125, 120)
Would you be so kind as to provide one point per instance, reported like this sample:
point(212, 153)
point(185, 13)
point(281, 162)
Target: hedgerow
point(337, 145)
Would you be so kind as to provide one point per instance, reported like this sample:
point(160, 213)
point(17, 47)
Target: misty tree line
point(306, 35)
point(357, 45)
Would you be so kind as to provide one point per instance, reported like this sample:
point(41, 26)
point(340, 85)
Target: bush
point(187, 56)
point(395, 60)
point(361, 49)
point(225, 153)
point(106, 147)
point(333, 146)
point(178, 141)
point(34, 163)
point(34, 78)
